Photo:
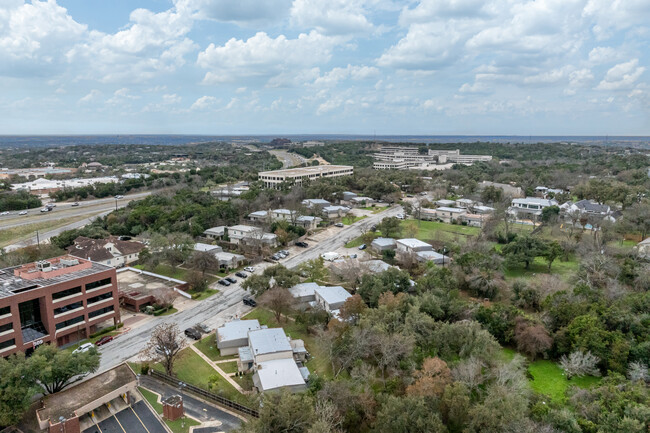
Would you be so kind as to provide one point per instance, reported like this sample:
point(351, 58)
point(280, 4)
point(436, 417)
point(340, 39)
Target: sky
point(423, 67)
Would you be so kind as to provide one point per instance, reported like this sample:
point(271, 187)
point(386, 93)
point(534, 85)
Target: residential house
point(249, 234)
point(445, 202)
point(111, 251)
point(229, 260)
point(215, 232)
point(259, 217)
point(586, 207)
point(233, 335)
point(464, 203)
point(474, 220)
point(335, 211)
point(348, 195)
point(207, 248)
point(308, 222)
point(529, 207)
point(361, 201)
point(422, 250)
point(315, 203)
point(284, 214)
point(383, 244)
point(482, 210)
point(304, 293)
point(449, 214)
point(331, 298)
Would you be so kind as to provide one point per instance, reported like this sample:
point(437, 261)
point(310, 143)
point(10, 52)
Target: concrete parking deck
point(135, 419)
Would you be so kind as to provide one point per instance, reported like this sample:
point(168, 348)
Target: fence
point(171, 380)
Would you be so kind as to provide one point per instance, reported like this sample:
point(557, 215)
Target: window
point(100, 283)
point(69, 322)
point(8, 343)
point(99, 298)
point(5, 310)
point(7, 327)
point(100, 312)
point(66, 292)
point(68, 307)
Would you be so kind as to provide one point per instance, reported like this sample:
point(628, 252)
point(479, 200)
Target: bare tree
point(165, 345)
point(531, 338)
point(165, 297)
point(469, 372)
point(579, 364)
point(638, 371)
point(278, 300)
point(203, 261)
point(431, 379)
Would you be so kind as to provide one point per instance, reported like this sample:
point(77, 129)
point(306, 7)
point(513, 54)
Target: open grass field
point(204, 294)
point(208, 346)
point(319, 362)
point(564, 270)
point(176, 273)
point(16, 234)
point(437, 231)
point(549, 379)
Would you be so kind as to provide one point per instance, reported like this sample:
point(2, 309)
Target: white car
point(83, 348)
point(23, 212)
point(4, 213)
point(399, 216)
point(249, 269)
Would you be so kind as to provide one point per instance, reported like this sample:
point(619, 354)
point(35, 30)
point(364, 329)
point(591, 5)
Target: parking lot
point(135, 419)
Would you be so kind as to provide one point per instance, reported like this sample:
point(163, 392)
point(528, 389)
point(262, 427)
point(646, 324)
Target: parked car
point(46, 209)
point(241, 274)
point(4, 213)
point(75, 204)
point(249, 269)
point(231, 280)
point(275, 257)
point(119, 197)
point(224, 282)
point(202, 328)
point(399, 216)
point(362, 247)
point(249, 301)
point(23, 212)
point(338, 224)
point(302, 244)
point(83, 348)
point(192, 333)
point(373, 228)
point(353, 256)
point(105, 339)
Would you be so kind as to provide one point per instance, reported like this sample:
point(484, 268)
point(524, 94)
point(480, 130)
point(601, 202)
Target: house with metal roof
point(445, 202)
point(449, 214)
point(315, 203)
point(276, 374)
point(268, 344)
point(215, 232)
point(304, 293)
point(233, 335)
point(529, 207)
point(412, 245)
point(383, 244)
point(335, 211)
point(331, 298)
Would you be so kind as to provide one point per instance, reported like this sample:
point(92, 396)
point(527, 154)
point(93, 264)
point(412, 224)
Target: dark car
point(339, 224)
point(302, 244)
point(192, 333)
point(249, 301)
point(224, 282)
point(105, 339)
point(241, 275)
point(231, 280)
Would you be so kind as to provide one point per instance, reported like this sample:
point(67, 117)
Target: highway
point(66, 210)
point(227, 304)
point(287, 159)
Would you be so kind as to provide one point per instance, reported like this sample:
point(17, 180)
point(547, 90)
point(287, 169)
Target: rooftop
point(65, 403)
point(384, 242)
point(304, 171)
point(333, 294)
point(206, 247)
point(219, 230)
point(445, 201)
point(25, 277)
point(413, 243)
point(237, 329)
point(244, 228)
point(258, 213)
point(271, 340)
point(534, 200)
point(451, 209)
point(303, 289)
point(135, 282)
point(279, 373)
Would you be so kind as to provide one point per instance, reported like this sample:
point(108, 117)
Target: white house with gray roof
point(331, 298)
point(529, 207)
point(233, 335)
point(383, 244)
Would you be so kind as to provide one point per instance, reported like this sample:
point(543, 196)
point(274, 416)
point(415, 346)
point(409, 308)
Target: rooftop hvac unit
point(68, 262)
point(44, 266)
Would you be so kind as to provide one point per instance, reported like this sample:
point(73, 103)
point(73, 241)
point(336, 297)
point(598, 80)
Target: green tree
point(523, 250)
point(256, 284)
point(552, 251)
point(314, 270)
point(389, 227)
point(374, 285)
point(54, 369)
point(18, 387)
point(491, 194)
point(550, 214)
point(283, 412)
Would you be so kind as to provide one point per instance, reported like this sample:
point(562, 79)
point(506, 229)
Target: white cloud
point(600, 55)
point(92, 96)
point(336, 75)
point(204, 102)
point(622, 76)
point(264, 57)
point(33, 37)
point(336, 17)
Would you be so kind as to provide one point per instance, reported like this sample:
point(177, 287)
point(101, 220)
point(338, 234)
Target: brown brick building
point(59, 300)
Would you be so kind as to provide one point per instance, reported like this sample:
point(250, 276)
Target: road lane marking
point(136, 414)
point(118, 421)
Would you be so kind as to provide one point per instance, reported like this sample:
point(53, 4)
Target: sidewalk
point(218, 370)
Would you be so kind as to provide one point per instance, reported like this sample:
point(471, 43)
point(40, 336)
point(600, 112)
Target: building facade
point(59, 300)
point(296, 176)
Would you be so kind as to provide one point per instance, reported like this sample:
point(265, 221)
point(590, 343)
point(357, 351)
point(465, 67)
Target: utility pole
point(38, 240)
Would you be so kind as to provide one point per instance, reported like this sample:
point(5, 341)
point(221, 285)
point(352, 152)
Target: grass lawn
point(540, 266)
point(374, 209)
point(350, 219)
point(433, 230)
point(15, 234)
point(208, 346)
point(169, 312)
point(177, 273)
point(549, 379)
point(319, 362)
point(175, 426)
point(358, 241)
point(228, 367)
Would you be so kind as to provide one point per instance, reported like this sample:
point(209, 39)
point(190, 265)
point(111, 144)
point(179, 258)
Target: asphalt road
point(224, 306)
point(66, 210)
point(287, 159)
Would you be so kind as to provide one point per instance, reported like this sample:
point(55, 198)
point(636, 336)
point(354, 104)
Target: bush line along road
point(218, 309)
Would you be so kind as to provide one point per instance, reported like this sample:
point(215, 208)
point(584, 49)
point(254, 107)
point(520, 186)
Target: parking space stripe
point(145, 427)
point(118, 421)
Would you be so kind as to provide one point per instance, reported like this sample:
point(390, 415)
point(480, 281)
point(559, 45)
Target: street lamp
point(182, 385)
point(115, 203)
point(444, 255)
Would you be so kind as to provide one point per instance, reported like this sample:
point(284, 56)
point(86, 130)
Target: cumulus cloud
point(204, 102)
point(335, 17)
point(622, 76)
point(337, 75)
point(264, 57)
point(92, 96)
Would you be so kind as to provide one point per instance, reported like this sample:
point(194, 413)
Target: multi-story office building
point(273, 179)
point(59, 300)
point(401, 158)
